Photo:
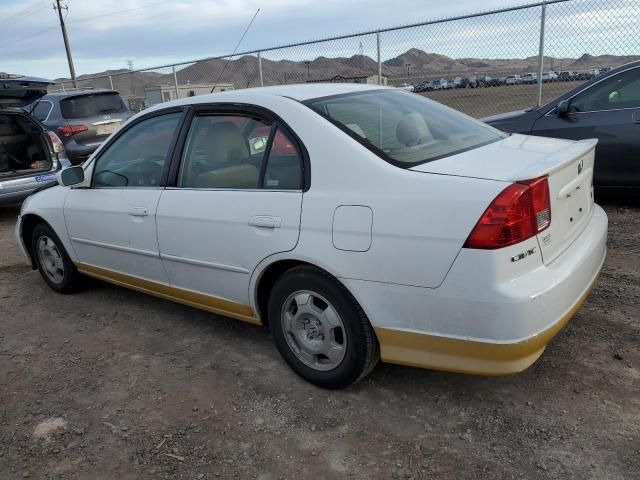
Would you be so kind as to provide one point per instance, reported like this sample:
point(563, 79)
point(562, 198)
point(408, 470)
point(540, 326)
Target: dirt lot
point(111, 384)
point(482, 102)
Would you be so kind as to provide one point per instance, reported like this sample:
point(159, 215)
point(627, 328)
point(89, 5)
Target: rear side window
point(402, 128)
point(239, 152)
point(41, 112)
point(92, 105)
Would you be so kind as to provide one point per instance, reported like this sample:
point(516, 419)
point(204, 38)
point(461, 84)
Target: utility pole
point(72, 70)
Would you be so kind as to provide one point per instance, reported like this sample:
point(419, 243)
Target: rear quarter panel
point(420, 220)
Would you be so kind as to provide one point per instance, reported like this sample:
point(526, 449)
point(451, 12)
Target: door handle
point(265, 221)
point(636, 116)
point(138, 211)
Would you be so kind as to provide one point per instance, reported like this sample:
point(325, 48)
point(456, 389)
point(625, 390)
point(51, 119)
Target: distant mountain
point(243, 71)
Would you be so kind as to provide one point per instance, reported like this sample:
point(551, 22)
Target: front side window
point(138, 156)
point(619, 91)
point(404, 129)
point(238, 152)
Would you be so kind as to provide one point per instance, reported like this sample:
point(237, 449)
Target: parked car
point(450, 250)
point(529, 78)
point(607, 108)
point(441, 84)
point(549, 77)
point(585, 75)
point(456, 83)
point(406, 86)
point(484, 81)
point(423, 87)
point(567, 76)
point(83, 118)
point(30, 155)
point(512, 80)
point(469, 82)
point(604, 70)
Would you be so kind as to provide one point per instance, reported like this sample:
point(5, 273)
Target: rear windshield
point(404, 128)
point(92, 105)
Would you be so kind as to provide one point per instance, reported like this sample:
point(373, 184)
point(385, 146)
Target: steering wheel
point(148, 172)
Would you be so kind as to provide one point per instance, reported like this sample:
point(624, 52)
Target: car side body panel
point(431, 302)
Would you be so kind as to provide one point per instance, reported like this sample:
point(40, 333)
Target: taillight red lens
point(69, 130)
point(519, 212)
point(58, 146)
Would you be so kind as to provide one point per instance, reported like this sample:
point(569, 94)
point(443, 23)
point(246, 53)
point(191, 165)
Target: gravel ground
point(112, 384)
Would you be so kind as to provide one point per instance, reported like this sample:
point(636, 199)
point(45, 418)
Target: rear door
point(236, 199)
point(610, 111)
point(112, 223)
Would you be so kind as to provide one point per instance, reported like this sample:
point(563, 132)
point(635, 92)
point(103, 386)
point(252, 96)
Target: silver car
point(30, 155)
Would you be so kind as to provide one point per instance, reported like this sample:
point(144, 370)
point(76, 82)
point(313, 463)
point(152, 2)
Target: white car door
point(111, 223)
point(236, 199)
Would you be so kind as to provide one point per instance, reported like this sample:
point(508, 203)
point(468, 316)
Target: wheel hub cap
point(50, 259)
point(313, 330)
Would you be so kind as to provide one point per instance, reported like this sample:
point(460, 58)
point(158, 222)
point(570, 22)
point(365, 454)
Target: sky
point(104, 35)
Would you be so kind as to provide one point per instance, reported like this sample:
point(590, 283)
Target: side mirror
point(71, 176)
point(562, 108)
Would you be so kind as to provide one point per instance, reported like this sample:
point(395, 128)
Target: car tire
point(311, 315)
point(52, 260)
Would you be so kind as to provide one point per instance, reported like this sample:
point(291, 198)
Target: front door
point(609, 111)
point(236, 199)
point(112, 223)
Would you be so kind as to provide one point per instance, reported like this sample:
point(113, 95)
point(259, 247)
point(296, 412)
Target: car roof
point(299, 92)
point(77, 92)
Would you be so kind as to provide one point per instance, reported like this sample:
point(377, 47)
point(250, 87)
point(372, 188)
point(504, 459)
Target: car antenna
point(235, 50)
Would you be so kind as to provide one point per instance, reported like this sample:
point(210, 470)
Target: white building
point(164, 93)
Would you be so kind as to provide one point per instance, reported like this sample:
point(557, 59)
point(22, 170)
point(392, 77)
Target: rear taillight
point(519, 212)
point(58, 146)
point(69, 130)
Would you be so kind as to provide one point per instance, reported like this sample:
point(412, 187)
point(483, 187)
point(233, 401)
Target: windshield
point(92, 105)
point(404, 128)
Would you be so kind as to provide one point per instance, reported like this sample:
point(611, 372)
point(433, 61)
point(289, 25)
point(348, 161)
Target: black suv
point(82, 118)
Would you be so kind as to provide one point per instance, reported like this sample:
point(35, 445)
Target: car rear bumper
point(17, 189)
point(476, 324)
point(79, 153)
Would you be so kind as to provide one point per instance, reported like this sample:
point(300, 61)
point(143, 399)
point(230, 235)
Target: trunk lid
point(17, 92)
point(567, 164)
point(101, 113)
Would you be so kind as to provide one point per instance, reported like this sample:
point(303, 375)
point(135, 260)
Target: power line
point(118, 12)
point(35, 34)
point(31, 9)
point(235, 50)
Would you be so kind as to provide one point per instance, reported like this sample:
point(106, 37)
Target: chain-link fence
point(482, 64)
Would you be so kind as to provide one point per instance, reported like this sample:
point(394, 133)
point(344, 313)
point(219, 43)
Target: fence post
point(543, 16)
point(379, 59)
point(260, 69)
point(111, 82)
point(175, 80)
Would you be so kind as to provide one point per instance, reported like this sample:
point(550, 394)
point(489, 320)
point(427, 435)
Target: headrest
point(412, 130)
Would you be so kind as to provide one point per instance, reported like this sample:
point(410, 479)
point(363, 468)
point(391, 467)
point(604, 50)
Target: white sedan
point(356, 222)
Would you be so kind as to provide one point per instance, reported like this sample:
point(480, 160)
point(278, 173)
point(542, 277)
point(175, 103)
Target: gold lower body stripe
point(201, 301)
point(467, 356)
